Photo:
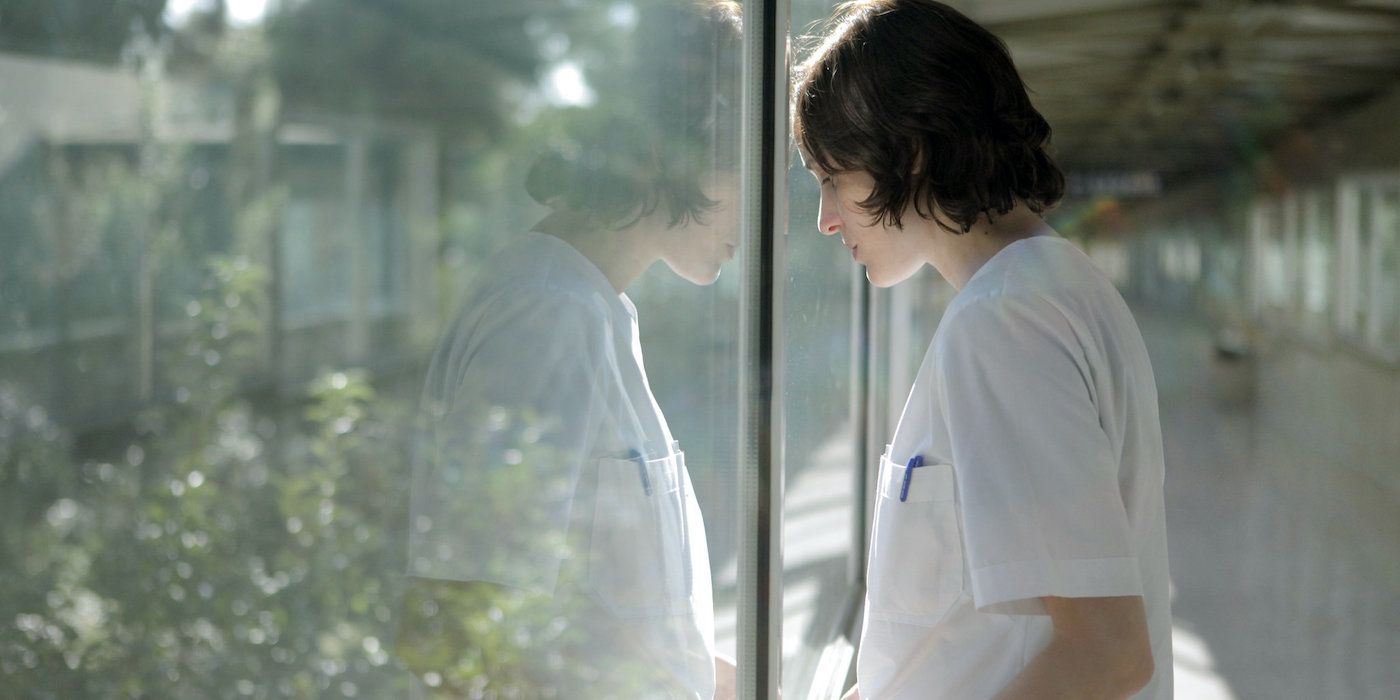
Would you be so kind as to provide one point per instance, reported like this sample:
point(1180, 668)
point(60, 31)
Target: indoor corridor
point(1282, 556)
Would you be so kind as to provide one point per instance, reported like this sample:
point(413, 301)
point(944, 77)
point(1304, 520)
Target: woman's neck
point(958, 256)
point(622, 255)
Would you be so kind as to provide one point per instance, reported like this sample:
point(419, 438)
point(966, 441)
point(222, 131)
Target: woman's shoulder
point(533, 275)
point(1007, 317)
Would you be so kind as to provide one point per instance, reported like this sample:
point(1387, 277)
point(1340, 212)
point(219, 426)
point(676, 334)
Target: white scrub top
point(1035, 415)
point(544, 464)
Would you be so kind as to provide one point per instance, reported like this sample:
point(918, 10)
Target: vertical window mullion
point(763, 171)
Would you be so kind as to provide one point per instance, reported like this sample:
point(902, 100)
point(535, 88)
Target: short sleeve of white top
point(1035, 417)
point(1042, 513)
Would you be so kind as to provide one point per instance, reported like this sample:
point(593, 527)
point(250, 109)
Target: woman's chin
point(708, 278)
point(883, 278)
point(879, 280)
point(699, 276)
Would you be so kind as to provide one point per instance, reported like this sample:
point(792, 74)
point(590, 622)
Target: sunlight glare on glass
point(240, 13)
point(565, 86)
point(178, 11)
point(1195, 675)
point(246, 12)
point(622, 14)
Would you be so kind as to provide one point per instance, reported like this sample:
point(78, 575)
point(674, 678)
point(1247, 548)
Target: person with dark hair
point(1019, 543)
point(556, 547)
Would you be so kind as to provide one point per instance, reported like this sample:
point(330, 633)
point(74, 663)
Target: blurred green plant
point(472, 639)
point(228, 546)
point(219, 547)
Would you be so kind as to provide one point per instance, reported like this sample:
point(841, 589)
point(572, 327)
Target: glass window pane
point(1317, 246)
point(322, 329)
point(822, 534)
point(1384, 336)
point(1363, 233)
point(1351, 273)
point(1272, 264)
point(1292, 269)
point(821, 469)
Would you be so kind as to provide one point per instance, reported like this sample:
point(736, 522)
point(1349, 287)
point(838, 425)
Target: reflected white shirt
point(535, 398)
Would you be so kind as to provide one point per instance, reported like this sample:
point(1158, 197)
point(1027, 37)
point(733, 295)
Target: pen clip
point(915, 461)
point(641, 470)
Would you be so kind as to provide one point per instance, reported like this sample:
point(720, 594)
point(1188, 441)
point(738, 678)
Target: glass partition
point(322, 329)
point(850, 355)
point(821, 448)
point(1355, 214)
point(1271, 257)
point(824, 341)
point(1317, 260)
point(1383, 337)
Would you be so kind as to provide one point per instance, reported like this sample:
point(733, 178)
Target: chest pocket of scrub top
point(639, 548)
point(915, 569)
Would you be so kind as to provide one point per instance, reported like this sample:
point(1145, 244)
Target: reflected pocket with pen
point(638, 548)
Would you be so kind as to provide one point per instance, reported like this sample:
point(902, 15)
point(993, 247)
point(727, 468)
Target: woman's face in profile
point(695, 251)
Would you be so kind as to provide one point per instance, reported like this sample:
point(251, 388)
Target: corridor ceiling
point(1180, 88)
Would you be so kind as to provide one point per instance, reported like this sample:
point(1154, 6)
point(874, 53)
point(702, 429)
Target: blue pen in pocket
point(641, 470)
point(915, 462)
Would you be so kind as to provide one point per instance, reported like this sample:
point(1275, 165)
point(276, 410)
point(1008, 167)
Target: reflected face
point(890, 255)
point(697, 250)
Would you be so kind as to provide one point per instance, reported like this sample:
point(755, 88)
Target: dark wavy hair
point(930, 105)
point(658, 130)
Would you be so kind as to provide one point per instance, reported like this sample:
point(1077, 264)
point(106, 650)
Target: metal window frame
point(763, 217)
point(763, 172)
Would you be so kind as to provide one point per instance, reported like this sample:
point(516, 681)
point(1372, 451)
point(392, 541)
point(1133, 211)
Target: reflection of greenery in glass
point(492, 487)
point(224, 547)
point(444, 62)
point(216, 547)
point(228, 548)
point(220, 528)
point(491, 456)
point(478, 640)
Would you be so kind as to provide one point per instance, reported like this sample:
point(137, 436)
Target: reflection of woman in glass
point(556, 547)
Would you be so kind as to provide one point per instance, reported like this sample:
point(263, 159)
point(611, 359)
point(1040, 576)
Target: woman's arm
point(1100, 649)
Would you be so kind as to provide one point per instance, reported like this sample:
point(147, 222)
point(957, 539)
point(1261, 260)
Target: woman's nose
point(828, 219)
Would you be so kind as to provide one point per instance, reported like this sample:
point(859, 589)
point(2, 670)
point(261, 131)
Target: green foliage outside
point(216, 547)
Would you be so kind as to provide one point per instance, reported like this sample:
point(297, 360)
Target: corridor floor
point(1285, 564)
